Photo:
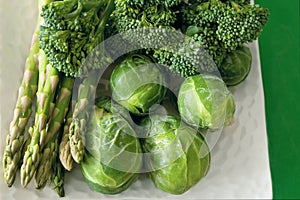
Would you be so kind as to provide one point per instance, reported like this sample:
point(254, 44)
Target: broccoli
point(224, 24)
point(128, 16)
point(240, 24)
point(141, 3)
point(215, 28)
point(241, 2)
point(72, 29)
point(162, 17)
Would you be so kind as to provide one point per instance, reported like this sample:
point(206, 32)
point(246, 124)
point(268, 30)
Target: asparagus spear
point(64, 147)
point(22, 113)
point(45, 97)
point(55, 123)
point(58, 172)
point(86, 92)
point(24, 147)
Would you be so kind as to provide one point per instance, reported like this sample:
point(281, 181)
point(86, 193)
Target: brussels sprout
point(204, 101)
point(176, 155)
point(114, 155)
point(137, 84)
point(236, 66)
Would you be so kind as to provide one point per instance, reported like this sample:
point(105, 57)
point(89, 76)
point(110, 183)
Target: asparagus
point(86, 92)
point(58, 173)
point(64, 147)
point(55, 123)
point(22, 113)
point(45, 97)
point(24, 147)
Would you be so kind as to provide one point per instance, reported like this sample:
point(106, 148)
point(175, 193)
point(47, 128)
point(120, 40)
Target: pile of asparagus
point(53, 141)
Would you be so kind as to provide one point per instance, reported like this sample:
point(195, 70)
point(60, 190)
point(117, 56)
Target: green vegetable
point(177, 156)
point(205, 102)
point(224, 25)
point(137, 84)
point(85, 28)
point(242, 2)
point(187, 58)
point(65, 156)
point(48, 149)
point(130, 15)
point(45, 97)
point(152, 25)
point(81, 112)
point(22, 112)
point(214, 28)
point(49, 79)
point(57, 170)
point(72, 29)
point(236, 66)
point(113, 156)
point(57, 178)
point(166, 3)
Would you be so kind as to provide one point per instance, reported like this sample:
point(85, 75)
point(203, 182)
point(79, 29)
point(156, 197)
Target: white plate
point(240, 163)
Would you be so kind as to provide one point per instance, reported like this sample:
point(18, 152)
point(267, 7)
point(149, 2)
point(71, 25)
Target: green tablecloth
point(280, 59)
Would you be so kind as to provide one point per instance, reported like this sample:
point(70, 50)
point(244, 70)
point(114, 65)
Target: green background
point(280, 60)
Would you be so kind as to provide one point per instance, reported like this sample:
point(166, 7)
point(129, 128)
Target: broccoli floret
point(241, 24)
point(216, 27)
point(141, 3)
point(72, 29)
point(201, 21)
point(241, 2)
point(222, 26)
point(151, 27)
point(186, 59)
point(131, 17)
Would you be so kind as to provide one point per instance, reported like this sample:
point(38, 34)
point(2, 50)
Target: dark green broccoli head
point(131, 17)
point(240, 2)
point(206, 37)
point(201, 22)
point(187, 58)
point(241, 24)
point(223, 25)
point(72, 29)
point(184, 64)
point(214, 25)
point(141, 3)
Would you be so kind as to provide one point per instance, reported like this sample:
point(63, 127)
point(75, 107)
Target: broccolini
point(216, 27)
point(71, 31)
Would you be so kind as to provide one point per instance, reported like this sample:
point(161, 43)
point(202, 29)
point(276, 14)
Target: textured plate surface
point(240, 164)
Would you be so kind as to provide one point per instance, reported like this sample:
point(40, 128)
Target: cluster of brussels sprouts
point(125, 130)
